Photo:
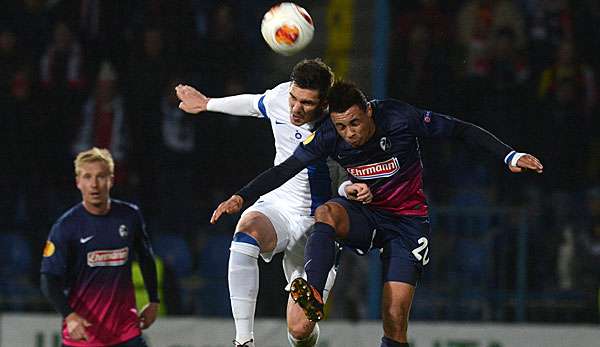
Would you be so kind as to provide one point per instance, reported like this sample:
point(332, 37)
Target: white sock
point(309, 341)
point(243, 287)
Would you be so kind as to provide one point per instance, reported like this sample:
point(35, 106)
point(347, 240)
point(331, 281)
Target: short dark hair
point(313, 74)
point(343, 95)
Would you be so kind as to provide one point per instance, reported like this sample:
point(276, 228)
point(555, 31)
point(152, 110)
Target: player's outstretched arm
point(262, 184)
point(524, 162)
point(192, 101)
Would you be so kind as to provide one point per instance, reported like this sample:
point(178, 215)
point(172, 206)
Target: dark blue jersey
point(93, 254)
point(389, 162)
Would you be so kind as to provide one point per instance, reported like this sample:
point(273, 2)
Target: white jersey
point(312, 186)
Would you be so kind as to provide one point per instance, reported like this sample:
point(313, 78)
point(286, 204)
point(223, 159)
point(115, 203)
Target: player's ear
point(77, 182)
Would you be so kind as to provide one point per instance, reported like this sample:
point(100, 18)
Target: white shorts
point(291, 229)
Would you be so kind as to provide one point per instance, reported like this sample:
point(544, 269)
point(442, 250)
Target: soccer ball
point(287, 28)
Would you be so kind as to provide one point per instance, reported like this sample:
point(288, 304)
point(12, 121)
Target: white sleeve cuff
point(512, 158)
point(342, 189)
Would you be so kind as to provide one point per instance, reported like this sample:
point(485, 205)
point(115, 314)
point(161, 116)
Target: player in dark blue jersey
point(377, 143)
point(89, 253)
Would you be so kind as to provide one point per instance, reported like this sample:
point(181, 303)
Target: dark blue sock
point(319, 255)
point(387, 342)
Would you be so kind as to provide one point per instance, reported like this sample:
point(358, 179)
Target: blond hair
point(93, 155)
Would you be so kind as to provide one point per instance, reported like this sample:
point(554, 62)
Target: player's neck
point(99, 209)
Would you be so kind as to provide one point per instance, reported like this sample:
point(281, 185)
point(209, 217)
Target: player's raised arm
point(193, 101)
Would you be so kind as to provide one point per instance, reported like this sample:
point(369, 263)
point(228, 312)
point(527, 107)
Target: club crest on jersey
point(427, 117)
point(385, 144)
point(108, 257)
point(123, 232)
point(377, 170)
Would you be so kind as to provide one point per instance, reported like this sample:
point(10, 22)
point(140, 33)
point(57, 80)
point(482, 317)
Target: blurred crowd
point(74, 74)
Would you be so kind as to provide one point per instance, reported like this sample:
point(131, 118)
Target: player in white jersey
point(279, 220)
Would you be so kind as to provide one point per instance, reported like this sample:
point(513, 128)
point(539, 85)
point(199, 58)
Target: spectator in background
point(568, 69)
point(550, 22)
point(61, 63)
point(477, 20)
point(103, 120)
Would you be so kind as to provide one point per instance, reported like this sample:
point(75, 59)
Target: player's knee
point(335, 216)
point(328, 213)
point(324, 214)
point(300, 329)
point(258, 228)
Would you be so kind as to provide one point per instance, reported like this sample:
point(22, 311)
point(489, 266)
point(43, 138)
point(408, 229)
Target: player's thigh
point(395, 308)
point(298, 325)
point(406, 254)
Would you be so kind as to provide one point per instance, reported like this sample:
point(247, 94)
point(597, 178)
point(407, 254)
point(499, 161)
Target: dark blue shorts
point(402, 240)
